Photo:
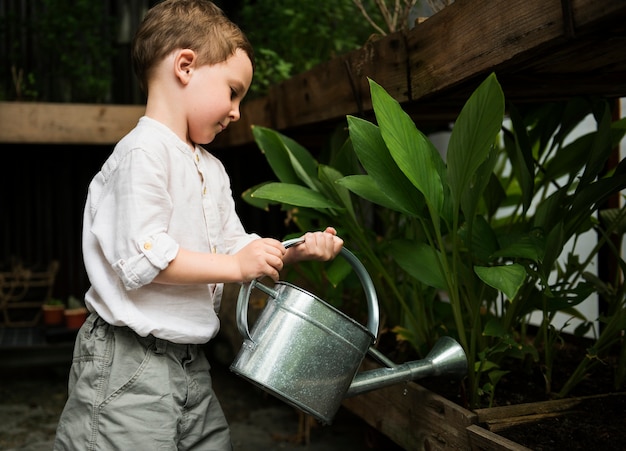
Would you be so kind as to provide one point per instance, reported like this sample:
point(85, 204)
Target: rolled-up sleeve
point(131, 218)
point(154, 255)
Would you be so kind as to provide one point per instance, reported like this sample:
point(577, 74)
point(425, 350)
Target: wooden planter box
point(411, 415)
point(416, 418)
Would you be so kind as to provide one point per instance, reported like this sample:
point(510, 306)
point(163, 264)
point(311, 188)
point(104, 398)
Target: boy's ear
point(184, 63)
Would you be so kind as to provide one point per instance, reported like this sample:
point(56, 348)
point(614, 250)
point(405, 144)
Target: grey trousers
point(128, 392)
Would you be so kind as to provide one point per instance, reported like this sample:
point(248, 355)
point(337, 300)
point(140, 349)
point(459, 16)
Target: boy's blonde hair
point(198, 25)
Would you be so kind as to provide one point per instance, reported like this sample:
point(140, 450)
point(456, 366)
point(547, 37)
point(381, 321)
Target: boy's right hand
point(262, 257)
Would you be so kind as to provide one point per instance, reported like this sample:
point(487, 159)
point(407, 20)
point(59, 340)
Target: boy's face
point(213, 96)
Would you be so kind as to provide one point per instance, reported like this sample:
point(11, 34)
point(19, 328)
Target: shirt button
point(147, 245)
point(197, 158)
point(204, 191)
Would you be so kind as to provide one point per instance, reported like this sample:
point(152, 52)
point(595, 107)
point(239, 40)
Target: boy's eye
point(233, 93)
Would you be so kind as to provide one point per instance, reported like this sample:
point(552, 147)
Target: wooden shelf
point(539, 49)
point(66, 123)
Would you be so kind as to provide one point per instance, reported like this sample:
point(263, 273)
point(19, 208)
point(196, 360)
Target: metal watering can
point(307, 353)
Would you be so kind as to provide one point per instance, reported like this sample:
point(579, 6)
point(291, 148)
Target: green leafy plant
point(611, 229)
point(82, 65)
point(467, 246)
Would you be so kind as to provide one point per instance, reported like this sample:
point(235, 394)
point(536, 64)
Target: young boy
point(160, 237)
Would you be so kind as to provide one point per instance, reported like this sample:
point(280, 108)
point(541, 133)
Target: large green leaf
point(373, 154)
point(291, 194)
point(600, 149)
point(255, 201)
point(328, 176)
point(474, 192)
point(366, 187)
point(528, 246)
point(568, 160)
point(483, 242)
point(508, 278)
point(587, 200)
point(614, 219)
point(290, 161)
point(338, 270)
point(551, 210)
point(270, 144)
point(474, 134)
point(412, 151)
point(569, 297)
point(494, 195)
point(521, 156)
point(494, 328)
point(420, 261)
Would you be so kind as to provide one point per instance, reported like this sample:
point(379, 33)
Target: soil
point(595, 423)
point(598, 424)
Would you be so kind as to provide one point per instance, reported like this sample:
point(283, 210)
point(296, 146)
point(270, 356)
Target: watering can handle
point(373, 316)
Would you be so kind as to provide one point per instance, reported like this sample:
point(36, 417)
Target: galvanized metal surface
point(304, 351)
point(307, 353)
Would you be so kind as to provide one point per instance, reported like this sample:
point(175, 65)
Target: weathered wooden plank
point(483, 440)
point(339, 87)
point(463, 43)
point(503, 424)
point(331, 90)
point(531, 408)
point(466, 39)
point(253, 112)
point(414, 417)
point(501, 418)
point(64, 123)
point(540, 50)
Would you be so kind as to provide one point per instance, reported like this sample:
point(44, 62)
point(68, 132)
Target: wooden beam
point(467, 39)
point(331, 90)
point(65, 123)
point(541, 50)
point(552, 45)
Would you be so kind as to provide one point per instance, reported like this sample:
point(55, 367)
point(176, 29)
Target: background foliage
point(292, 36)
point(56, 50)
point(78, 50)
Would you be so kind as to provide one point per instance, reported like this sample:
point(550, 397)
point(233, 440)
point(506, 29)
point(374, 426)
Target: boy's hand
point(262, 257)
point(322, 246)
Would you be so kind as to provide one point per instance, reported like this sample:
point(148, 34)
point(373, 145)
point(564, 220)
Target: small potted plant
point(53, 310)
point(75, 314)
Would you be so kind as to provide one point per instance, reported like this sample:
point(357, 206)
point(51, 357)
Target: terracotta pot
point(53, 314)
point(74, 318)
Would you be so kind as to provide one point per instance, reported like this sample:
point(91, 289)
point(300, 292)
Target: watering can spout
point(446, 358)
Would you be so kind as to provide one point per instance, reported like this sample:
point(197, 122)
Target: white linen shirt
point(153, 195)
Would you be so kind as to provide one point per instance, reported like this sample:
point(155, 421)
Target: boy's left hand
point(322, 246)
